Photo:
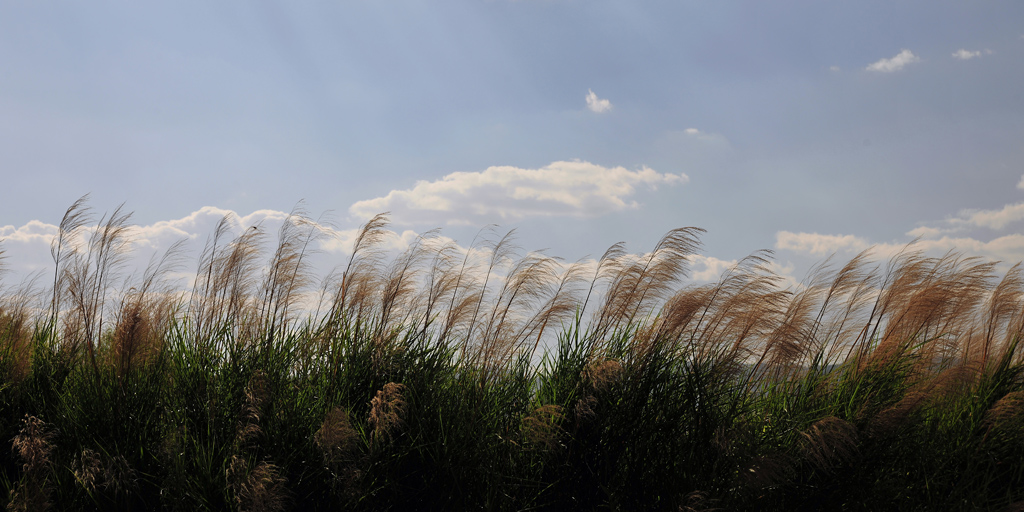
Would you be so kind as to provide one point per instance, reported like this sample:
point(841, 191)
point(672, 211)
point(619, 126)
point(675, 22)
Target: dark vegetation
point(443, 379)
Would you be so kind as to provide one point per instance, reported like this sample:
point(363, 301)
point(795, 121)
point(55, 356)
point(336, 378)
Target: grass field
point(447, 379)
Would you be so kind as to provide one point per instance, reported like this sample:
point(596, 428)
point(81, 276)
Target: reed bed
point(446, 378)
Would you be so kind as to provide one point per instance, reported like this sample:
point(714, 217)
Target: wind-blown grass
point(484, 378)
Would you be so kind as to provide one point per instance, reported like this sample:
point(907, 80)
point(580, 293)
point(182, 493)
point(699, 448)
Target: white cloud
point(974, 218)
point(963, 54)
point(341, 241)
point(818, 245)
point(708, 268)
point(692, 131)
point(894, 64)
point(1008, 249)
point(925, 232)
point(834, 68)
point(201, 223)
point(33, 231)
point(28, 245)
point(992, 219)
point(596, 104)
point(576, 188)
point(959, 233)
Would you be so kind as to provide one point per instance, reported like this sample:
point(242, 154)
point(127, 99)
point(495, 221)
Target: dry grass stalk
point(339, 443)
point(387, 412)
point(768, 471)
point(501, 251)
point(88, 278)
point(337, 438)
point(1006, 416)
point(465, 290)
point(288, 273)
point(602, 373)
point(359, 279)
point(529, 280)
point(441, 282)
point(584, 409)
point(256, 392)
point(114, 474)
point(743, 308)
point(829, 442)
point(88, 470)
point(15, 334)
point(139, 331)
point(64, 247)
point(256, 487)
point(637, 287)
point(1005, 312)
point(929, 299)
point(33, 447)
point(398, 295)
point(223, 294)
point(541, 428)
point(927, 389)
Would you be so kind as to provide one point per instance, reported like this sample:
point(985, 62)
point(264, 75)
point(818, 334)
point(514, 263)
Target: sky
point(807, 128)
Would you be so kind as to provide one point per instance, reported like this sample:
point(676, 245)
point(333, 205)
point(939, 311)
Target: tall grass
point(443, 377)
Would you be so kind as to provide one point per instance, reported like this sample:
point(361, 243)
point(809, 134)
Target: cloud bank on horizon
point(28, 243)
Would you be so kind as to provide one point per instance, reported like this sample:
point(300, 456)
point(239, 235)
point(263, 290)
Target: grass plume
point(445, 377)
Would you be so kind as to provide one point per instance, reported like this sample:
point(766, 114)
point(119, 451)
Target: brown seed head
point(387, 411)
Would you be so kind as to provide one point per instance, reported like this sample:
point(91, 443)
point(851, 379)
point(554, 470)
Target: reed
point(441, 377)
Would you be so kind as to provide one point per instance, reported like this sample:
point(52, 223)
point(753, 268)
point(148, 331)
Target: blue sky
point(809, 128)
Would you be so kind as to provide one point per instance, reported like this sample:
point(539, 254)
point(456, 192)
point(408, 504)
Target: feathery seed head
point(387, 411)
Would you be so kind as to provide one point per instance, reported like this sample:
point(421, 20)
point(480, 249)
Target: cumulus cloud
point(964, 233)
point(1007, 249)
point(817, 244)
point(992, 219)
point(27, 247)
point(895, 63)
point(341, 241)
point(33, 231)
point(201, 223)
point(966, 219)
point(963, 54)
point(925, 232)
point(708, 268)
point(576, 188)
point(596, 104)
